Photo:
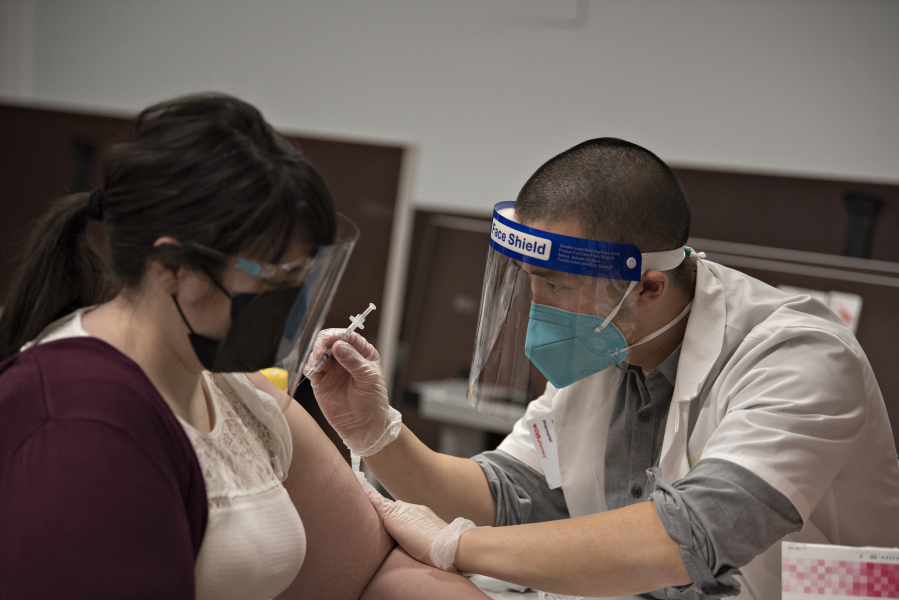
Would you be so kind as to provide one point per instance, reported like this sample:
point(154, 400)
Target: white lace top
point(254, 543)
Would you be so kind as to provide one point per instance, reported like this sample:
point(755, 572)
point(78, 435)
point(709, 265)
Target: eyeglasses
point(286, 274)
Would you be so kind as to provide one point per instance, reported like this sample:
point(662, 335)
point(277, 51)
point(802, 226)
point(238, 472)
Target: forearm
point(401, 577)
point(620, 552)
point(451, 486)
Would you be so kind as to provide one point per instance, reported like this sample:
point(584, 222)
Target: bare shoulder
point(263, 384)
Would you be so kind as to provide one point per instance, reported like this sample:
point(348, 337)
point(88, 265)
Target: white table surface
point(494, 588)
point(533, 596)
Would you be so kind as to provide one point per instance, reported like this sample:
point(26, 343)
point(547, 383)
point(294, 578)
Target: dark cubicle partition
point(782, 230)
point(45, 154)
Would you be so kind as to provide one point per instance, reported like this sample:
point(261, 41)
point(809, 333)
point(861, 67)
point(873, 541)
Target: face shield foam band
point(545, 310)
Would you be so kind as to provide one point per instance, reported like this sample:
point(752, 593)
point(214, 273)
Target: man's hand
point(352, 394)
point(421, 533)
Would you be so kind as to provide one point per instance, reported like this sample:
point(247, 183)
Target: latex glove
point(352, 394)
point(421, 533)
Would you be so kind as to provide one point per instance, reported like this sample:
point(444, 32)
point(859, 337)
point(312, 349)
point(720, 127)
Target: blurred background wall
point(487, 90)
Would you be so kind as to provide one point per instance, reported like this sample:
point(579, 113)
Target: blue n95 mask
point(567, 347)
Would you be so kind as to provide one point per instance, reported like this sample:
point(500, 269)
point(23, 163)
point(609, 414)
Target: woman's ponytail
point(59, 272)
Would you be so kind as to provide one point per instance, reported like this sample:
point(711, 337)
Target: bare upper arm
point(345, 540)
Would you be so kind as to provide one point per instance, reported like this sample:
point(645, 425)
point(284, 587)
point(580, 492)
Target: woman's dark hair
point(206, 169)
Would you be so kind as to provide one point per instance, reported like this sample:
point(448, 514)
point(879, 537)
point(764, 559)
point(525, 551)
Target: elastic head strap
point(615, 310)
point(664, 260)
point(653, 261)
point(659, 332)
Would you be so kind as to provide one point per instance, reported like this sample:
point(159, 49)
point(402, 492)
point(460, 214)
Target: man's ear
point(653, 286)
point(164, 265)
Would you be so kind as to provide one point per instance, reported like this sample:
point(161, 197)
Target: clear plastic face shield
point(552, 306)
point(278, 309)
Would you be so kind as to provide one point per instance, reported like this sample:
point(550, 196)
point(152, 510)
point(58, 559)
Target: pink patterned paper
point(840, 578)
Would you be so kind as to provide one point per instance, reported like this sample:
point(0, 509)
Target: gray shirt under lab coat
point(723, 512)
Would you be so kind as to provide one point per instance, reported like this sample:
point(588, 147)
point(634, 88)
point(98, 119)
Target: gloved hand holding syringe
point(355, 322)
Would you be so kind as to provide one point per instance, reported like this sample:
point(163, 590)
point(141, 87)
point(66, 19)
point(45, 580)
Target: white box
point(816, 571)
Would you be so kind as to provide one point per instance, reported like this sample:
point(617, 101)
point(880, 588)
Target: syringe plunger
point(355, 322)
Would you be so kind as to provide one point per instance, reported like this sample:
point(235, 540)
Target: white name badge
point(543, 434)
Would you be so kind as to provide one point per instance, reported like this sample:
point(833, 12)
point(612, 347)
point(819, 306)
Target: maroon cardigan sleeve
point(101, 495)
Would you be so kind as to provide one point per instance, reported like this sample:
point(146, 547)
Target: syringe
point(356, 461)
point(355, 322)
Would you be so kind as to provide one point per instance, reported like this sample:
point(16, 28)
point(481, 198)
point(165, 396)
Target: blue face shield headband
point(516, 329)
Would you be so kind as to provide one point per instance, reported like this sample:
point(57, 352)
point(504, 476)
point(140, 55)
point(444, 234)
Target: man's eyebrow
point(541, 272)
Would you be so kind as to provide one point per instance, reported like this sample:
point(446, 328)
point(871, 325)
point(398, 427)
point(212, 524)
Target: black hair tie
point(94, 210)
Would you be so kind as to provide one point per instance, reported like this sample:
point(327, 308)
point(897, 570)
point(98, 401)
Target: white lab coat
point(772, 382)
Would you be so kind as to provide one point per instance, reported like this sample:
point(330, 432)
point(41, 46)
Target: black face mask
point(257, 326)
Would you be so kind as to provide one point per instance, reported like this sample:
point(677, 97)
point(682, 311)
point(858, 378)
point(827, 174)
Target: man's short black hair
point(618, 191)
